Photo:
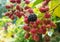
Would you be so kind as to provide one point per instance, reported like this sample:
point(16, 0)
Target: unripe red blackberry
point(27, 1)
point(26, 28)
point(30, 10)
point(43, 26)
point(47, 15)
point(27, 35)
point(7, 13)
point(13, 1)
point(18, 1)
point(25, 16)
point(31, 23)
point(32, 17)
point(34, 25)
point(9, 6)
point(40, 31)
point(48, 26)
point(26, 20)
point(46, 8)
point(38, 21)
point(33, 31)
point(18, 14)
point(35, 37)
point(11, 16)
point(46, 21)
point(43, 9)
point(44, 31)
point(18, 7)
point(22, 13)
point(44, 3)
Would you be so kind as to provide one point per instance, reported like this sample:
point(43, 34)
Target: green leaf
point(30, 40)
point(36, 2)
point(55, 4)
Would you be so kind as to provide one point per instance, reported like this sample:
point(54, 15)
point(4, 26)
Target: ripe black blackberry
point(32, 18)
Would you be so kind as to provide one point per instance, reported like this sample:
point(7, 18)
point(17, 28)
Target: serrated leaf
point(56, 11)
point(36, 2)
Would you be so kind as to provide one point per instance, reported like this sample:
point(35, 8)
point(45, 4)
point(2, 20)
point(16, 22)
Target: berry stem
point(41, 39)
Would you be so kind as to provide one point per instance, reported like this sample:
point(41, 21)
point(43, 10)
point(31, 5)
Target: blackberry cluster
point(32, 18)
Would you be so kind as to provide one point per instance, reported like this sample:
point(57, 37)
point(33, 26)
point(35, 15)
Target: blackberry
point(32, 18)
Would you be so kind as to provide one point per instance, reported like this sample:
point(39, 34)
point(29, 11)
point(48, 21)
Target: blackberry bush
point(34, 27)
